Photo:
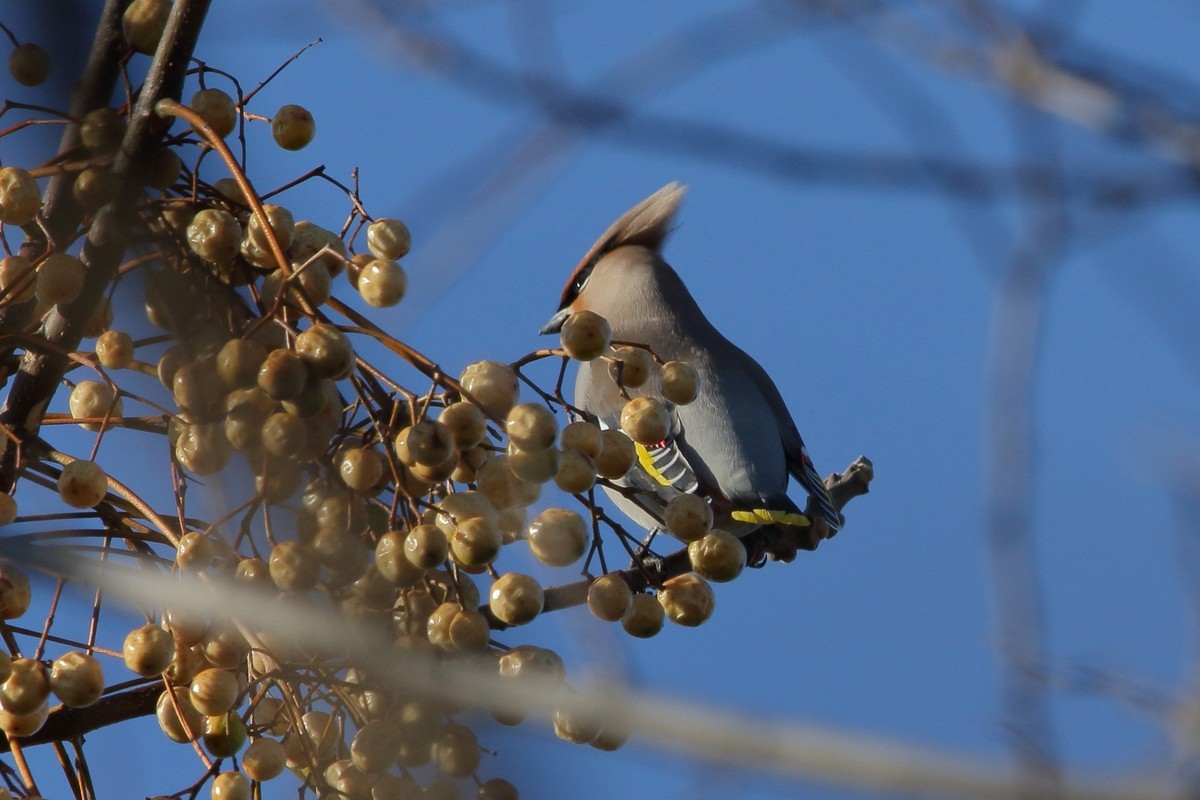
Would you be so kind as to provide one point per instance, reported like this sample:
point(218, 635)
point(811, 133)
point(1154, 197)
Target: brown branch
point(65, 723)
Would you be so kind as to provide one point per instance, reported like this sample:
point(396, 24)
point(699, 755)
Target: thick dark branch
point(66, 723)
point(42, 370)
point(61, 213)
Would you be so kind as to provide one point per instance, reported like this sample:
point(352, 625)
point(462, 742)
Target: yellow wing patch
point(765, 516)
point(647, 462)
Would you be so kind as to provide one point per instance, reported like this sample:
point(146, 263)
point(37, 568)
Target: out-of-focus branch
point(789, 749)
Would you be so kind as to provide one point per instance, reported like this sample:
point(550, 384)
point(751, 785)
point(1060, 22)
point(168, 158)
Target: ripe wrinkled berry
point(585, 335)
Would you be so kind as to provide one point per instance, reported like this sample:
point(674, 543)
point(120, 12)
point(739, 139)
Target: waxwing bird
point(736, 443)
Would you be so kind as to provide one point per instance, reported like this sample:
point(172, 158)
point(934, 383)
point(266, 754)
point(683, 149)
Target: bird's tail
point(812, 483)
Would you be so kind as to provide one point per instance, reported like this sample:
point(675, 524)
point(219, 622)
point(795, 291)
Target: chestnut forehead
point(581, 270)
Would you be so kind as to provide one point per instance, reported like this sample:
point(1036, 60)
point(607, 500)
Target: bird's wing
point(799, 463)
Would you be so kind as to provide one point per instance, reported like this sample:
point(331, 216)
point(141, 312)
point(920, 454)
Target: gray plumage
point(737, 437)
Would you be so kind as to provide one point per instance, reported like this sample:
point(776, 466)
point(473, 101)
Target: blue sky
point(871, 307)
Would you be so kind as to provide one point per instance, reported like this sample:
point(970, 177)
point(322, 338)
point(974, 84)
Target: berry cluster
point(299, 467)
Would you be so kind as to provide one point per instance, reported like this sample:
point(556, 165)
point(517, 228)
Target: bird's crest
point(647, 224)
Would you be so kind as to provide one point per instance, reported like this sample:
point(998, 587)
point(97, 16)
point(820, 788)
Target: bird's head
point(598, 281)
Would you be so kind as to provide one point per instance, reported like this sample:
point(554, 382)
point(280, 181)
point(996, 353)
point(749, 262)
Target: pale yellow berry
point(382, 283)
point(196, 552)
point(185, 625)
point(533, 467)
point(17, 725)
point(310, 239)
point(93, 188)
point(373, 748)
point(469, 632)
point(437, 627)
point(293, 127)
point(466, 422)
point(585, 335)
point(576, 472)
point(82, 484)
point(392, 562)
point(456, 508)
point(644, 618)
point(645, 420)
point(215, 235)
point(27, 686)
point(15, 592)
point(630, 367)
point(558, 537)
point(143, 23)
point(475, 542)
point(92, 400)
point(515, 599)
point(679, 382)
point(197, 390)
point(528, 660)
point(719, 556)
point(574, 724)
point(688, 600)
point(148, 650)
point(18, 279)
point(389, 239)
point(229, 189)
point(218, 110)
point(583, 436)
point(283, 375)
point(114, 350)
point(214, 691)
point(361, 468)
point(609, 597)
point(239, 361)
point(102, 129)
point(264, 759)
point(29, 64)
point(203, 448)
point(294, 566)
point(284, 434)
point(688, 517)
point(531, 427)
point(59, 279)
point(426, 546)
point(612, 737)
point(491, 384)
point(223, 735)
point(282, 224)
point(617, 455)
point(20, 198)
point(456, 751)
point(326, 350)
point(428, 442)
point(502, 487)
point(231, 786)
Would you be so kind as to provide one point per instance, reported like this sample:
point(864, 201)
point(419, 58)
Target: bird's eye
point(577, 283)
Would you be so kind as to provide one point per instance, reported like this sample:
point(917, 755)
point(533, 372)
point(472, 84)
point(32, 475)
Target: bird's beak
point(556, 322)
